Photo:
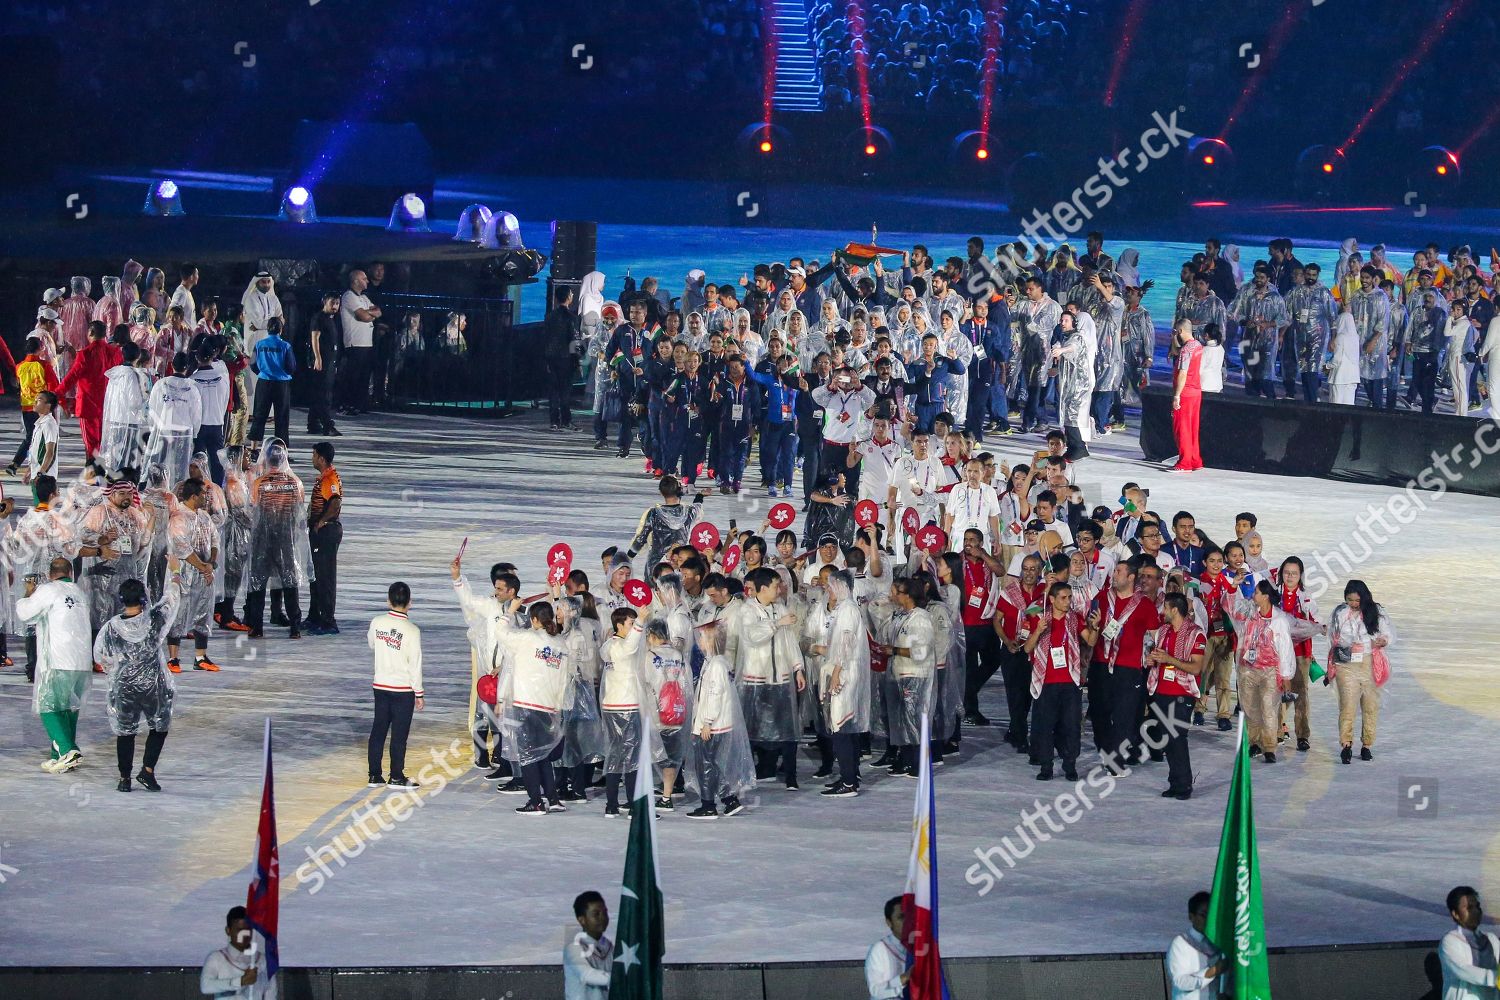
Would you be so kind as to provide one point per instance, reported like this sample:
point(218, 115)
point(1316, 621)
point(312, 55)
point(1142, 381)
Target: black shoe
point(1366, 754)
point(1346, 754)
point(1270, 757)
point(887, 759)
point(623, 453)
point(703, 812)
point(733, 806)
point(1021, 747)
point(556, 806)
point(823, 771)
point(664, 804)
point(839, 790)
point(295, 633)
point(376, 781)
point(1197, 718)
point(512, 787)
point(1183, 795)
point(896, 770)
point(599, 445)
point(280, 621)
point(334, 432)
point(1070, 773)
point(1169, 793)
point(1044, 775)
point(123, 786)
point(792, 786)
point(1254, 749)
point(500, 773)
point(532, 809)
point(482, 763)
point(950, 748)
point(401, 782)
point(975, 719)
point(571, 796)
point(256, 633)
point(147, 780)
point(1303, 746)
point(1225, 725)
point(611, 812)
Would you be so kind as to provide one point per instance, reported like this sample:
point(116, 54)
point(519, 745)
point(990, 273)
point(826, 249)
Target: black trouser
point(848, 757)
point(392, 713)
point(811, 448)
point(540, 779)
point(255, 607)
point(776, 758)
point(577, 777)
point(199, 637)
point(980, 662)
point(28, 424)
point(1056, 719)
point(1099, 704)
point(210, 439)
point(31, 653)
point(322, 603)
point(267, 395)
point(612, 787)
point(320, 398)
point(354, 370)
point(383, 354)
point(708, 767)
point(1424, 380)
point(1127, 705)
point(560, 387)
point(1375, 389)
point(125, 752)
point(1179, 766)
point(1015, 670)
point(1076, 448)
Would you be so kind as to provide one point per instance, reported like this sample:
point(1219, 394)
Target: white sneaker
point(67, 762)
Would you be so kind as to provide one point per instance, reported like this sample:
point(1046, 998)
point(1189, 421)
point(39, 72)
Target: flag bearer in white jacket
point(719, 765)
point(770, 675)
point(482, 613)
point(532, 688)
point(60, 612)
point(885, 962)
point(397, 648)
point(1466, 954)
point(237, 970)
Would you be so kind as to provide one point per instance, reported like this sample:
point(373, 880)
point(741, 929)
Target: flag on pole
point(264, 898)
point(640, 939)
point(919, 903)
point(1236, 923)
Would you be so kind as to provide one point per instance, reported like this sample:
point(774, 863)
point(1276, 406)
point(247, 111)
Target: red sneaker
point(235, 625)
point(204, 663)
point(174, 666)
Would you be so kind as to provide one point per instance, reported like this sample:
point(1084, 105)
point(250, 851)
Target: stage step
point(798, 87)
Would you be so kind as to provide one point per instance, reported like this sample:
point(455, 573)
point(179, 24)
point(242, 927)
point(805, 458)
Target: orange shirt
point(329, 486)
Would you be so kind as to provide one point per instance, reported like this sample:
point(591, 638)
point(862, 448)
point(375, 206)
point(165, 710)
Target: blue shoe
point(315, 630)
point(786, 491)
point(771, 491)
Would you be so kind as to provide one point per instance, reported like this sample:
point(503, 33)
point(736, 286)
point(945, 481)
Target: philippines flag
point(263, 900)
point(919, 904)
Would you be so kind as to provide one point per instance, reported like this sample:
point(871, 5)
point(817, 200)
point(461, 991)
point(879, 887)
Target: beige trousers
point(1299, 685)
point(1357, 694)
point(1258, 700)
point(1218, 668)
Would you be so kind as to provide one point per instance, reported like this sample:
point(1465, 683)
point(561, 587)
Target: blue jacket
point(778, 395)
point(934, 389)
point(274, 360)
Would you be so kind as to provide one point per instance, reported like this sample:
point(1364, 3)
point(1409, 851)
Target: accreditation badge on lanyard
point(737, 409)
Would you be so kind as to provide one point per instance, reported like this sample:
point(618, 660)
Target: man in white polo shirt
point(973, 504)
point(357, 316)
point(183, 296)
point(844, 402)
point(42, 456)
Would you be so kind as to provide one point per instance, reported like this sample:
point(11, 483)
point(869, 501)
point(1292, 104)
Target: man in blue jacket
point(778, 429)
point(625, 353)
point(735, 402)
point(929, 381)
point(274, 364)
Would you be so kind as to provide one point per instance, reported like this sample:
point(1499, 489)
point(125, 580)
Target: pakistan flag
point(640, 938)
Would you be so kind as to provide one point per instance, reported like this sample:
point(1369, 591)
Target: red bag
point(671, 705)
point(878, 656)
point(1380, 667)
point(488, 689)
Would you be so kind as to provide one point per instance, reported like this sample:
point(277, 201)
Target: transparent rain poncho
point(584, 741)
point(234, 550)
point(948, 654)
point(156, 502)
point(111, 309)
point(534, 683)
point(723, 766)
point(216, 506)
point(189, 533)
point(125, 530)
point(671, 696)
point(75, 313)
point(767, 662)
point(911, 691)
point(279, 552)
point(122, 431)
point(844, 668)
point(626, 682)
point(132, 651)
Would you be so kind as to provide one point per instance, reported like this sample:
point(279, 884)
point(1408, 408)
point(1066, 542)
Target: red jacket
point(87, 375)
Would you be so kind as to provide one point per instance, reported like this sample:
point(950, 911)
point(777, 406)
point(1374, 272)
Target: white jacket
point(1468, 963)
point(176, 406)
point(619, 690)
point(397, 645)
point(222, 971)
point(712, 704)
point(884, 964)
point(538, 661)
point(64, 638)
point(1345, 353)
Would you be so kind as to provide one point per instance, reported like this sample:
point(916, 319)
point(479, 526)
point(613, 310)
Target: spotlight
point(163, 199)
point(297, 206)
point(409, 215)
point(1435, 174)
point(981, 154)
point(973, 159)
point(1320, 173)
point(1208, 168)
point(764, 142)
point(502, 232)
point(869, 147)
point(472, 224)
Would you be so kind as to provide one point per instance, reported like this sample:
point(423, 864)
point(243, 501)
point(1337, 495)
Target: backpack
point(671, 705)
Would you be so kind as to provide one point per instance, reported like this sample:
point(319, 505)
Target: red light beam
point(1122, 50)
point(1404, 70)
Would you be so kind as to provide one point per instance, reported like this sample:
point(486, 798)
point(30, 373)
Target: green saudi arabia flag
point(1236, 922)
point(640, 938)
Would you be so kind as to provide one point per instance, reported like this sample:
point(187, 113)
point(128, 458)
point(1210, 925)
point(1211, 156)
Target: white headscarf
point(591, 294)
point(1128, 269)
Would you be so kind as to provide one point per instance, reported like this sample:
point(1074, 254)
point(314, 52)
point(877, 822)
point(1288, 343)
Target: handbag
point(613, 411)
point(1380, 667)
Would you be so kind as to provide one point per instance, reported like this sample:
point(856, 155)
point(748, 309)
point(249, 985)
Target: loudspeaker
point(360, 168)
point(574, 249)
